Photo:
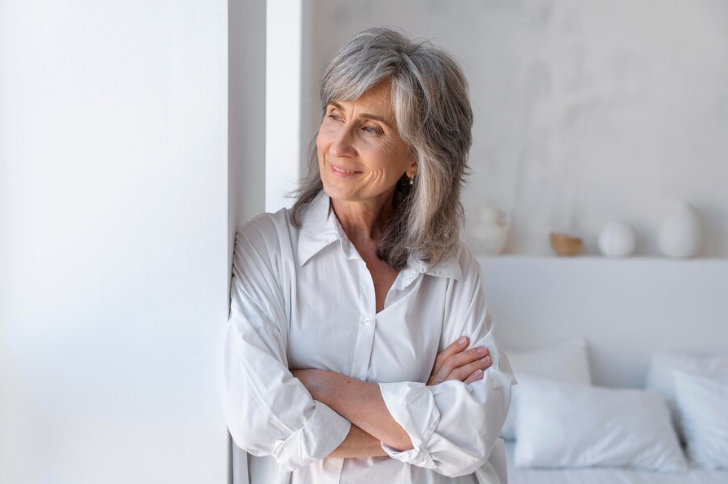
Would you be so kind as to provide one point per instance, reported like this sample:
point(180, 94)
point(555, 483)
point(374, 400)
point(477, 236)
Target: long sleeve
point(268, 411)
point(454, 426)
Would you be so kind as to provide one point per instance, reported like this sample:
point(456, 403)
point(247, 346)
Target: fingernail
point(485, 360)
point(482, 350)
point(479, 374)
point(462, 340)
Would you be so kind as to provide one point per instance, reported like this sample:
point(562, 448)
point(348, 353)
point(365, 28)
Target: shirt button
point(366, 321)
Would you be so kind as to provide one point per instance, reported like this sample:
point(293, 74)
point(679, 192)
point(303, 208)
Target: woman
point(341, 305)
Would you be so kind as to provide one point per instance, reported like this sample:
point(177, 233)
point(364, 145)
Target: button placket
point(367, 324)
point(365, 341)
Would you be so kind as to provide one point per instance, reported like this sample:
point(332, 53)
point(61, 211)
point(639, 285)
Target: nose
point(342, 143)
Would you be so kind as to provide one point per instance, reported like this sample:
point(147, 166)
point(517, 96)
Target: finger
point(461, 359)
point(475, 376)
point(464, 372)
point(473, 370)
point(455, 347)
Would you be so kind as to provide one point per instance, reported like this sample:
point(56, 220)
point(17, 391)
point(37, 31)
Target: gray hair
point(434, 117)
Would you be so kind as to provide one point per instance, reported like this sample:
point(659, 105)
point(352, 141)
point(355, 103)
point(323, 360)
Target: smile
point(342, 171)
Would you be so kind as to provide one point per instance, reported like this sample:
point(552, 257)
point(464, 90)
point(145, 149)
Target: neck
point(363, 221)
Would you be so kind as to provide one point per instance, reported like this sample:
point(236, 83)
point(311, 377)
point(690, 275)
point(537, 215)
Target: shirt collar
point(320, 228)
point(449, 267)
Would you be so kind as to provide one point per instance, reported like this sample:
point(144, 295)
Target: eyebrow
point(366, 115)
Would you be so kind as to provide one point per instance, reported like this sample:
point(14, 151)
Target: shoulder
point(266, 228)
point(266, 235)
point(466, 259)
point(468, 263)
point(461, 266)
point(469, 281)
point(458, 274)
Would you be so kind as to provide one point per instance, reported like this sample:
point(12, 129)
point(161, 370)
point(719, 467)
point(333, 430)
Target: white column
point(246, 154)
point(283, 101)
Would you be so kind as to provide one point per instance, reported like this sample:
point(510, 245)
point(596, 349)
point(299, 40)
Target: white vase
point(488, 230)
point(616, 239)
point(680, 233)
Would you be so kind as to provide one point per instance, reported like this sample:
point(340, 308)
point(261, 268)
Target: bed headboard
point(627, 309)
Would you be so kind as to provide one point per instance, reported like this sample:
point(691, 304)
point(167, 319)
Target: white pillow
point(662, 380)
point(703, 404)
point(567, 361)
point(569, 425)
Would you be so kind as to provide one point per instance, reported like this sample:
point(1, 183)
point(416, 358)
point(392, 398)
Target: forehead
point(377, 100)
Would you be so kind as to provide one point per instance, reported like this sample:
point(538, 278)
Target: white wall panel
point(114, 238)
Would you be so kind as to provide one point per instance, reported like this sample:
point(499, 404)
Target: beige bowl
point(565, 245)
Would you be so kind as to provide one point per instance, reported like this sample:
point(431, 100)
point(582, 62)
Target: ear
point(412, 169)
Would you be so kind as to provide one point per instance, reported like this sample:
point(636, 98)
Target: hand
point(457, 363)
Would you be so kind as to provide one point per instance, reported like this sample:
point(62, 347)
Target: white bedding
point(608, 476)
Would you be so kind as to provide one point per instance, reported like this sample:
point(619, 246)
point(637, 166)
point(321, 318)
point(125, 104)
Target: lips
point(340, 170)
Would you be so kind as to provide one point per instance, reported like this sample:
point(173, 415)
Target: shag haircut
point(434, 117)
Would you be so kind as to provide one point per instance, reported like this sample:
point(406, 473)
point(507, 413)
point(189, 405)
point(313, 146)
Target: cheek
point(390, 162)
point(321, 146)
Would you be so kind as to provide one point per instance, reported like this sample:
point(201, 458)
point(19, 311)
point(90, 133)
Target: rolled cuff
point(412, 406)
point(320, 436)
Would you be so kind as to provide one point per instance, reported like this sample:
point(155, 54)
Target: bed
point(603, 346)
point(608, 475)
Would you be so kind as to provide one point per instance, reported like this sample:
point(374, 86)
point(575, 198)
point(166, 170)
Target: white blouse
point(305, 299)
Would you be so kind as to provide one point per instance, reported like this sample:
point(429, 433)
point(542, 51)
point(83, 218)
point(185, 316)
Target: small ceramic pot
point(565, 245)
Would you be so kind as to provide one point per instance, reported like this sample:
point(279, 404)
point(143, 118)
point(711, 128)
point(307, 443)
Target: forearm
point(359, 402)
point(359, 444)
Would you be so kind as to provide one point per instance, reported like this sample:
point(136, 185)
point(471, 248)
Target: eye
point(371, 130)
point(333, 113)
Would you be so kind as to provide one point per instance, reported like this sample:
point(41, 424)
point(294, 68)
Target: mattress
point(608, 475)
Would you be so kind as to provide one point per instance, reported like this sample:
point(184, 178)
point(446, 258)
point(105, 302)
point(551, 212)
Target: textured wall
point(585, 111)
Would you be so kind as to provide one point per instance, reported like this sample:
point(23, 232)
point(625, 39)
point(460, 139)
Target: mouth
point(341, 171)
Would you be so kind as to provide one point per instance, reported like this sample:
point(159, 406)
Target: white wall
point(585, 111)
point(626, 309)
point(114, 241)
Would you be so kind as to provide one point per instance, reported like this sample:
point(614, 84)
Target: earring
point(412, 180)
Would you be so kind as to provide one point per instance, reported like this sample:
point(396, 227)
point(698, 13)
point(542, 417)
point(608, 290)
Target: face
point(360, 154)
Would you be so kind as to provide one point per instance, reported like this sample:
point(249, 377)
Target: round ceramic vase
point(616, 239)
point(680, 233)
point(488, 233)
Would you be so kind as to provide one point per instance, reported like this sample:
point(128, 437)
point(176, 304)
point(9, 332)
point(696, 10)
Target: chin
point(340, 194)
